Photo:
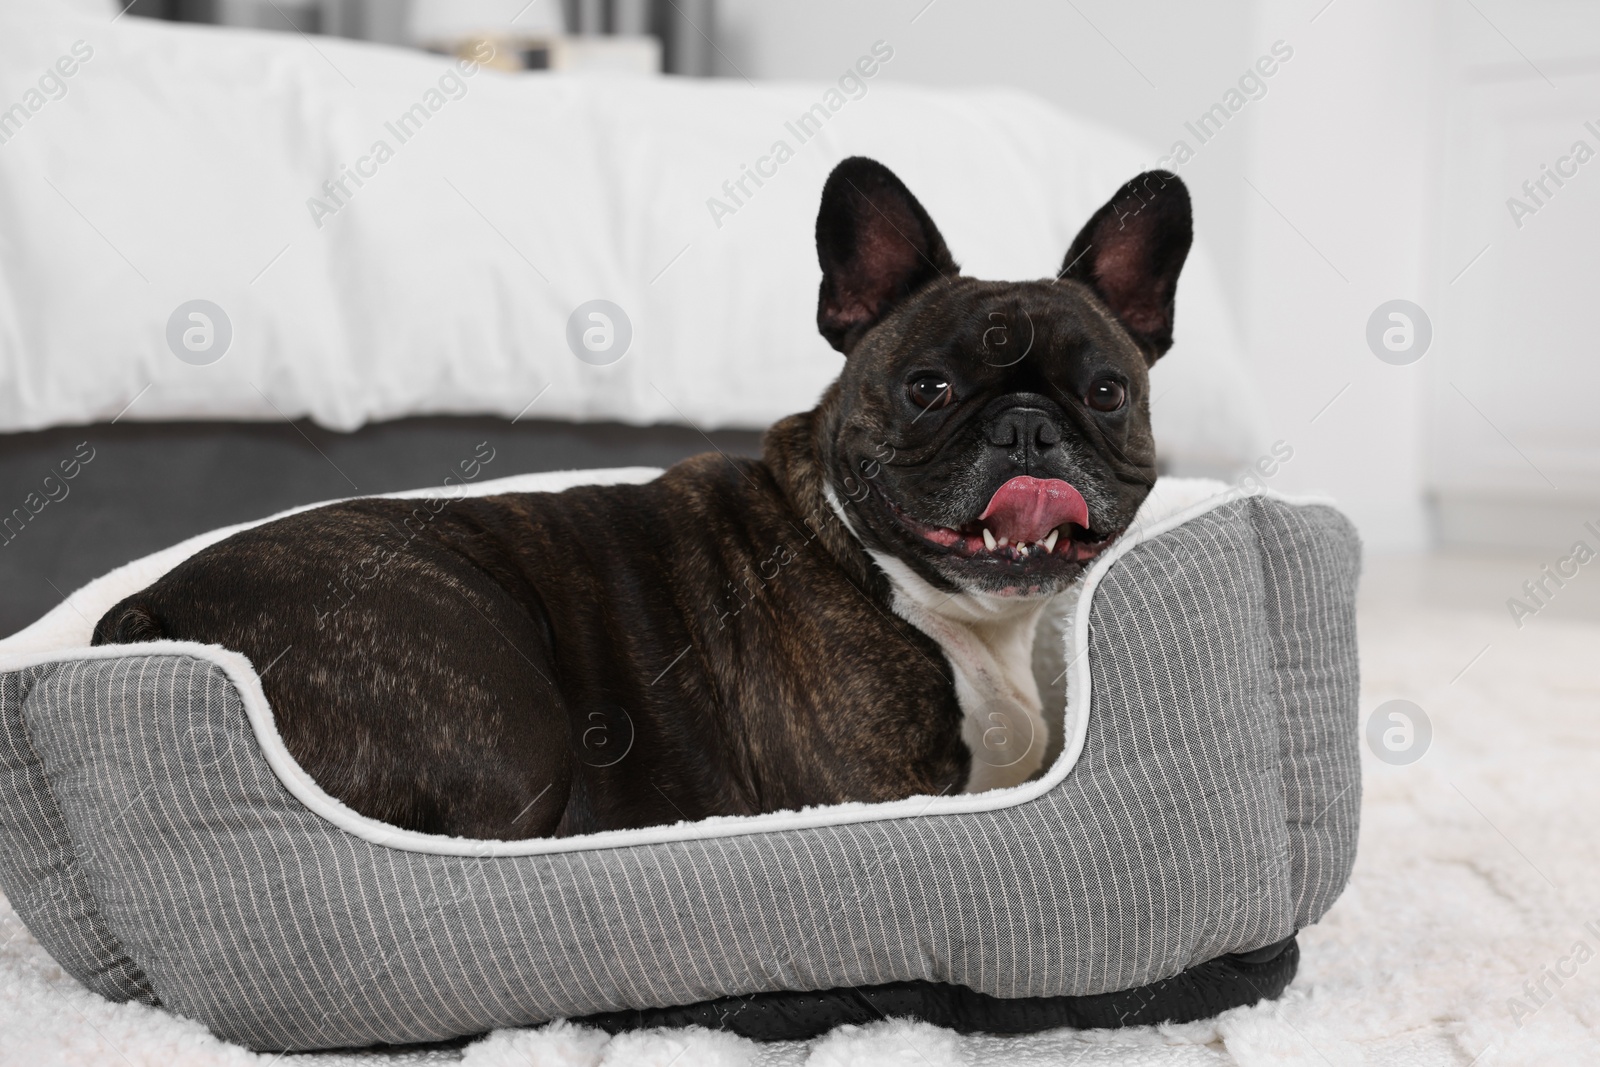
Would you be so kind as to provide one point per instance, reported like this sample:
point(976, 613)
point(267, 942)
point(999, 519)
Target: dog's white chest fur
point(989, 643)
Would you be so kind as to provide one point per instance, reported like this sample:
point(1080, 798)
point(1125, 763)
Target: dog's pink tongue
point(1027, 509)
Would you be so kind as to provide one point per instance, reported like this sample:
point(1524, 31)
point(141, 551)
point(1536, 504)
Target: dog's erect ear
point(1130, 254)
point(876, 245)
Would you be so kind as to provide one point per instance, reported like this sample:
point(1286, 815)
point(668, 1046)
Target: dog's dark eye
point(1106, 395)
point(930, 391)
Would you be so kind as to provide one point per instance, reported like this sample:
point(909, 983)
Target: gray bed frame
point(150, 485)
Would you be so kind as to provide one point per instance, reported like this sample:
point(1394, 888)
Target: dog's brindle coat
point(732, 637)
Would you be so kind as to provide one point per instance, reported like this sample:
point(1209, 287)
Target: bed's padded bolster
point(40, 866)
point(1213, 811)
point(1311, 625)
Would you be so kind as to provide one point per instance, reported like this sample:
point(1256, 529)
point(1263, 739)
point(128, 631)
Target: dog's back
point(551, 664)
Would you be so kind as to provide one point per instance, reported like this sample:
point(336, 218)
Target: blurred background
point(1396, 213)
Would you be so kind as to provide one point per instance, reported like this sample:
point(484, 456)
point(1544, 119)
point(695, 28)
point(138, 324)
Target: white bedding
point(178, 162)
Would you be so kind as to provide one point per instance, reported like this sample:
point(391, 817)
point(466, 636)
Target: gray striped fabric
point(42, 870)
point(149, 846)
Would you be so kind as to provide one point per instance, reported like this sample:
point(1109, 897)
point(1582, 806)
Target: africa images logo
point(1399, 332)
point(599, 332)
point(199, 332)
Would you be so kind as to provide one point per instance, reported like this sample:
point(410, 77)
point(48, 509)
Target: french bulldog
point(848, 618)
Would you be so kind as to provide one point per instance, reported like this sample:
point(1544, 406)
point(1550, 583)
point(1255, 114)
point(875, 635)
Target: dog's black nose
point(1026, 430)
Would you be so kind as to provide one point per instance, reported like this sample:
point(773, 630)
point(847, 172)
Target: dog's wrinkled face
point(994, 436)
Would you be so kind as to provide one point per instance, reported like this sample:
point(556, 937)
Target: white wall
point(1338, 179)
point(1393, 154)
point(1513, 450)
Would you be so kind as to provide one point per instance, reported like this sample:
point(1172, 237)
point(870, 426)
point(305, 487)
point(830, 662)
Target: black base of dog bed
point(1202, 991)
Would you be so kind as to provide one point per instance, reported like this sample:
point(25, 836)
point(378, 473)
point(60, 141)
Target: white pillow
point(186, 162)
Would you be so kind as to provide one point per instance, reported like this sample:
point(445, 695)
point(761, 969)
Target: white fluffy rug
point(1461, 940)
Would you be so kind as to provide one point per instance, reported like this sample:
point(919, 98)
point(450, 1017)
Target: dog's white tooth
point(1002, 542)
point(1050, 542)
point(988, 539)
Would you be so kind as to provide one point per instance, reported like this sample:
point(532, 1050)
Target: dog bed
point(162, 845)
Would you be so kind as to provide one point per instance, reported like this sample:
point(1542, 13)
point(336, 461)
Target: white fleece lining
point(1075, 728)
